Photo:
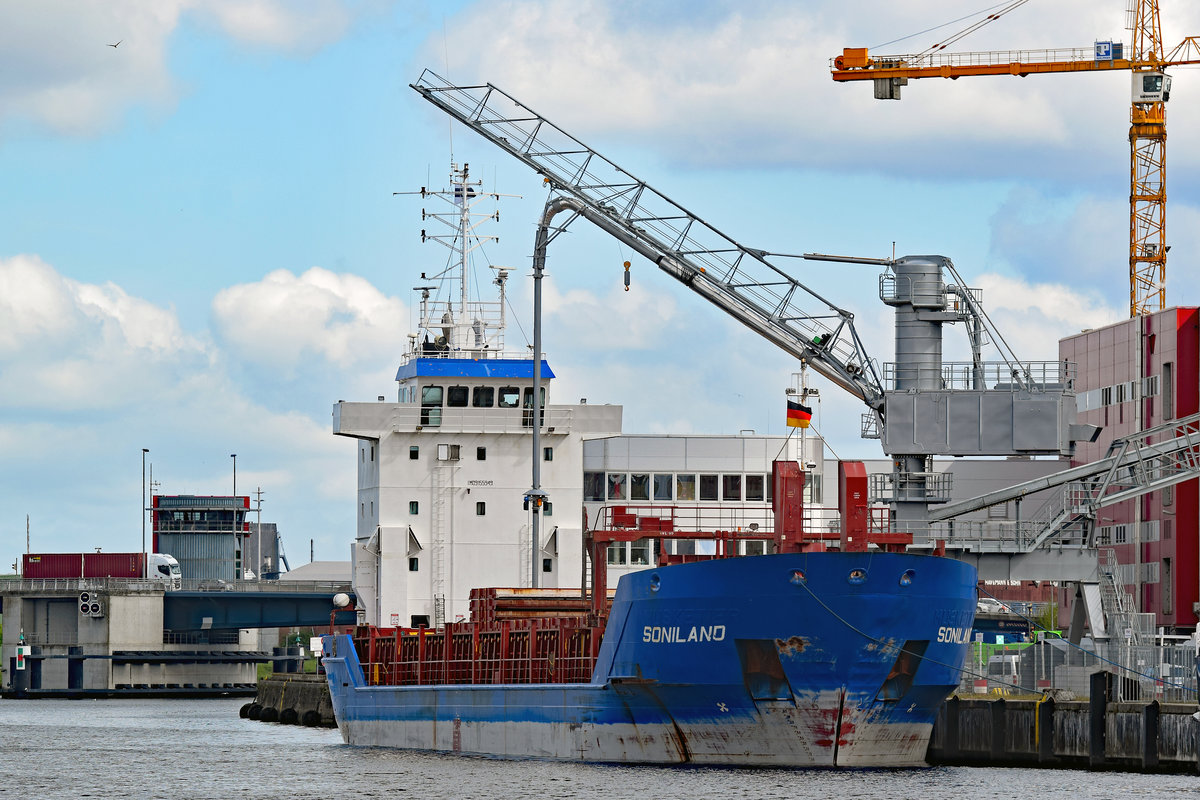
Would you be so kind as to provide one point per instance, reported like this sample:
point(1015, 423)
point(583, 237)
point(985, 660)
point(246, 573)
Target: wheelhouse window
point(708, 488)
point(510, 396)
point(527, 413)
point(483, 396)
point(616, 486)
point(431, 405)
point(456, 396)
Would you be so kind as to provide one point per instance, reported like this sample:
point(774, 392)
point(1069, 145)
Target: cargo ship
point(735, 634)
point(803, 659)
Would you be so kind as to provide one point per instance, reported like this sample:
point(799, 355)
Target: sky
point(201, 252)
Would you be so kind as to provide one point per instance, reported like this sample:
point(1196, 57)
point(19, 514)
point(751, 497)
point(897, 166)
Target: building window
point(616, 553)
point(547, 565)
point(510, 397)
point(754, 487)
point(483, 396)
point(812, 488)
point(547, 508)
point(1168, 588)
point(414, 452)
point(413, 507)
point(685, 487)
point(413, 564)
point(731, 487)
point(547, 454)
point(639, 553)
point(448, 452)
point(593, 486)
point(480, 508)
point(616, 486)
point(431, 405)
point(481, 454)
point(362, 509)
point(662, 487)
point(456, 396)
point(753, 548)
point(372, 452)
point(708, 487)
point(639, 486)
point(1168, 390)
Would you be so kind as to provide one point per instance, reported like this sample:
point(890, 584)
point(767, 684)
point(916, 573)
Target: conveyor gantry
point(738, 279)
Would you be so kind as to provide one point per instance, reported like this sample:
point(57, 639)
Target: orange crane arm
point(855, 64)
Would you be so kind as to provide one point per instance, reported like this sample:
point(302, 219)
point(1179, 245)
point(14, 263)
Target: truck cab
point(165, 569)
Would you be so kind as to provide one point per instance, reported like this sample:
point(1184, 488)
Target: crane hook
point(627, 276)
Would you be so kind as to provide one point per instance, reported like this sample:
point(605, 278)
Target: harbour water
point(202, 749)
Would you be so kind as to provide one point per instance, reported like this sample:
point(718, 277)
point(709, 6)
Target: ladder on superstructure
point(440, 487)
point(738, 279)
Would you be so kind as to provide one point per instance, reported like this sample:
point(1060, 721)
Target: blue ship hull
point(807, 659)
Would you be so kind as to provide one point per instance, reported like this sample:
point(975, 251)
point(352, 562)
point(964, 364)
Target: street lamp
point(144, 451)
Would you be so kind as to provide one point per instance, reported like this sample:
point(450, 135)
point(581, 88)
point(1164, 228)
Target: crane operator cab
point(1151, 87)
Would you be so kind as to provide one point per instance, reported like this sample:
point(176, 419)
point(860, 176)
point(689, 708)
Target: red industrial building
point(1134, 375)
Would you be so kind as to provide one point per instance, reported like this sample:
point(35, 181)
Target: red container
point(114, 565)
point(39, 566)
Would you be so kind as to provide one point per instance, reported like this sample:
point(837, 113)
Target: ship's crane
point(1147, 131)
point(919, 406)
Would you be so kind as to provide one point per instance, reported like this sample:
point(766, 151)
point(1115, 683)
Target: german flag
point(798, 415)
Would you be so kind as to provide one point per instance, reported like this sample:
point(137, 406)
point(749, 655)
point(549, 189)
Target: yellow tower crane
point(1147, 132)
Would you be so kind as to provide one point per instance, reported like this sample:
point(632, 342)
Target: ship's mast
point(458, 326)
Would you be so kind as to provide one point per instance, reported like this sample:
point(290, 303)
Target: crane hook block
point(627, 276)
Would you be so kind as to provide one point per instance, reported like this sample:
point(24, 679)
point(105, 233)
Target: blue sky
point(200, 251)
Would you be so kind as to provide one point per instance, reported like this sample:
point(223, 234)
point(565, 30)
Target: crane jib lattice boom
point(738, 279)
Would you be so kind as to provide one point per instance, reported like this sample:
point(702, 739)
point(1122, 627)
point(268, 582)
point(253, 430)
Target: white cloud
point(92, 374)
point(284, 319)
point(57, 70)
point(735, 83)
point(1032, 317)
point(72, 345)
point(301, 25)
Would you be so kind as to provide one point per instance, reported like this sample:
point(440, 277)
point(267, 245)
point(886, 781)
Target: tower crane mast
point(1151, 87)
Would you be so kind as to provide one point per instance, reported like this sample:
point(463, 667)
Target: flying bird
point(118, 44)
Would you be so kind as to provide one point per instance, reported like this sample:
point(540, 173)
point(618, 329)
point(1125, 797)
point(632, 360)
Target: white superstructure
point(443, 469)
